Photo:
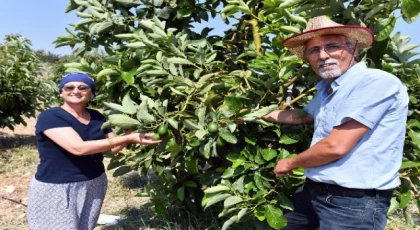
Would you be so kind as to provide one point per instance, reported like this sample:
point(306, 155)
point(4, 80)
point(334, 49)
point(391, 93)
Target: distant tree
point(22, 92)
point(47, 56)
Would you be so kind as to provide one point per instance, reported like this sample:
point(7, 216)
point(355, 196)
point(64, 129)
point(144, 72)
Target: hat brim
point(296, 43)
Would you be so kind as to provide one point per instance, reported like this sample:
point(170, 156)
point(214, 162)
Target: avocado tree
point(22, 92)
point(189, 87)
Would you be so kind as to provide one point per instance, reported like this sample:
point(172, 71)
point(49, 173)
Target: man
point(359, 117)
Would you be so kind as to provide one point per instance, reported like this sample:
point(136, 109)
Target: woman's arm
point(69, 139)
point(117, 148)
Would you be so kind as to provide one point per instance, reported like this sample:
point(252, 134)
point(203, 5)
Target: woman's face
point(76, 93)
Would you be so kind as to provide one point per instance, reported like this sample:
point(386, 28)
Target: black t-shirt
point(58, 165)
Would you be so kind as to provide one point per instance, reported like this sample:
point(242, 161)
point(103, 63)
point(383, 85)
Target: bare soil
point(14, 184)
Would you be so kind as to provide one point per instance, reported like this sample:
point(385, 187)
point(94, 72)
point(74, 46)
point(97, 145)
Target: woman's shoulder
point(94, 112)
point(50, 111)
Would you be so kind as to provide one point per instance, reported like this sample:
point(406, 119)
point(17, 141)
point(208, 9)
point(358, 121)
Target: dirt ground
point(14, 185)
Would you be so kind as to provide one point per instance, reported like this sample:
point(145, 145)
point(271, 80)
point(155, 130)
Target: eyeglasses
point(81, 88)
point(330, 49)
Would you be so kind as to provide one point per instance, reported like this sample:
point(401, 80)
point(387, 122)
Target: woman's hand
point(144, 138)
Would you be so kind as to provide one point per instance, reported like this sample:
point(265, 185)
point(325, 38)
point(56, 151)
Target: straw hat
point(322, 25)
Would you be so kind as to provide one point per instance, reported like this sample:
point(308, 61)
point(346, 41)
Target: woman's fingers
point(146, 138)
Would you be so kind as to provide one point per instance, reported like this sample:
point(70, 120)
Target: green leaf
point(216, 198)
point(117, 107)
point(415, 137)
point(285, 202)
point(156, 72)
point(180, 61)
point(114, 164)
point(103, 27)
point(394, 206)
point(174, 149)
point(201, 114)
point(192, 165)
point(128, 77)
point(180, 193)
point(216, 189)
point(410, 10)
point(201, 133)
point(159, 206)
point(413, 100)
point(242, 213)
point(123, 121)
point(158, 31)
point(129, 105)
point(409, 164)
point(190, 184)
point(205, 148)
point(229, 172)
point(384, 28)
point(144, 116)
point(173, 123)
point(192, 125)
point(136, 45)
point(234, 104)
point(236, 159)
point(232, 201)
point(289, 3)
point(269, 154)
point(73, 65)
point(259, 213)
point(250, 140)
point(229, 222)
point(239, 184)
point(290, 29)
point(184, 13)
point(107, 72)
point(121, 171)
point(275, 217)
point(285, 139)
point(374, 11)
point(227, 135)
point(126, 36)
point(259, 113)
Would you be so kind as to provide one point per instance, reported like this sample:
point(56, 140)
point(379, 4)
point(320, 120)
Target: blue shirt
point(376, 99)
point(56, 164)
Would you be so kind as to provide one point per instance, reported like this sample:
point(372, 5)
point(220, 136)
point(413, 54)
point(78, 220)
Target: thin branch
point(14, 201)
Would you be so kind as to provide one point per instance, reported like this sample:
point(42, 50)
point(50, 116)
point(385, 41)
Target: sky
point(42, 21)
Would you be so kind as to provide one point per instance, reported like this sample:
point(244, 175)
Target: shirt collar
point(325, 85)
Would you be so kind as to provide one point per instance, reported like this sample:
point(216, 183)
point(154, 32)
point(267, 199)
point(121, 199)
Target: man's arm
point(336, 145)
point(288, 117)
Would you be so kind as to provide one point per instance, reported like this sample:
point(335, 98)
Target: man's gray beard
point(330, 74)
point(327, 74)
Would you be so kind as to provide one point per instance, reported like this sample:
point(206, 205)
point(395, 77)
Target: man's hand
point(283, 167)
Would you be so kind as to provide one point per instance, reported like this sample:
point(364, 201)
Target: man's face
point(329, 55)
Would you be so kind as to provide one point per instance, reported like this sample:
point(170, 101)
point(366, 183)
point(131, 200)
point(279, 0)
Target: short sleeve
point(369, 101)
point(50, 119)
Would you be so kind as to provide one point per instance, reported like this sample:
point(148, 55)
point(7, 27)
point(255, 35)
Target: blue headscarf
point(80, 77)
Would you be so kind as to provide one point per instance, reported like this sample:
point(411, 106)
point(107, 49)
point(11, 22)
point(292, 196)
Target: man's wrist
point(293, 163)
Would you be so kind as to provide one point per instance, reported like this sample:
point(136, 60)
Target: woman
point(70, 183)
